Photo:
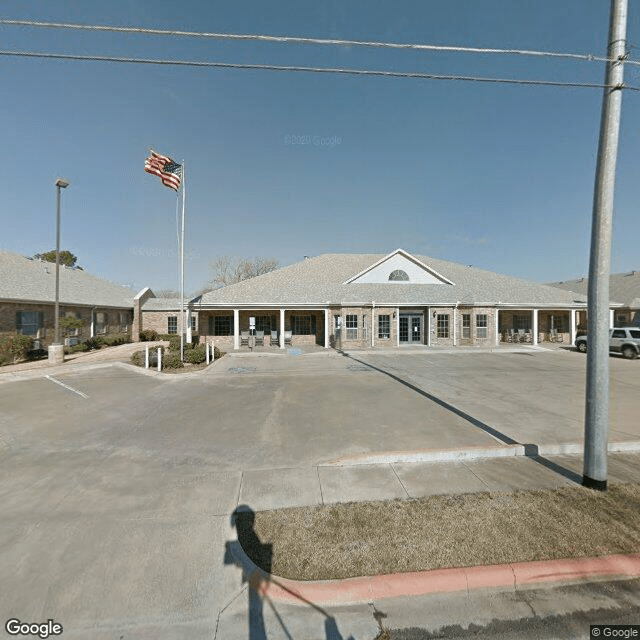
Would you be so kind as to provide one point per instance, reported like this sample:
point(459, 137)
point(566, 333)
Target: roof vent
point(306, 257)
point(399, 276)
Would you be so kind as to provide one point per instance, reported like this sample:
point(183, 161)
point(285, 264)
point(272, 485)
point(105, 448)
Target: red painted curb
point(518, 574)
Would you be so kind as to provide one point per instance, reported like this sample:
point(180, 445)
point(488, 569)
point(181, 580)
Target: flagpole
point(182, 319)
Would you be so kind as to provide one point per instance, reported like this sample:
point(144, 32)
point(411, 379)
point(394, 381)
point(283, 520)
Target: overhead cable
point(305, 40)
point(337, 70)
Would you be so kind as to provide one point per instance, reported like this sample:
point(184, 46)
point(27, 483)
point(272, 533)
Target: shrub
point(15, 347)
point(196, 355)
point(94, 343)
point(118, 338)
point(70, 322)
point(138, 357)
point(165, 336)
point(174, 343)
point(172, 361)
point(78, 347)
point(148, 335)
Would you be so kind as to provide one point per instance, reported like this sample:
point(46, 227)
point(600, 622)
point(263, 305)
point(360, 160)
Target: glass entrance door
point(410, 329)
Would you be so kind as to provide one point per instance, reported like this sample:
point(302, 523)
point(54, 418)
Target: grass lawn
point(363, 539)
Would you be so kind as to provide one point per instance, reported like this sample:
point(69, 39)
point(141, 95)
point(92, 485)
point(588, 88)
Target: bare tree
point(227, 271)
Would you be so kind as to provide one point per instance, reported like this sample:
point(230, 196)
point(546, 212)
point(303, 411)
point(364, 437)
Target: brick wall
point(46, 334)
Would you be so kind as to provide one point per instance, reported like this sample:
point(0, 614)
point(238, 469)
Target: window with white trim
point(481, 325)
point(193, 323)
point(101, 322)
point(384, 327)
point(29, 323)
point(303, 325)
point(351, 323)
point(442, 325)
point(466, 325)
point(172, 324)
point(124, 320)
point(265, 323)
point(221, 325)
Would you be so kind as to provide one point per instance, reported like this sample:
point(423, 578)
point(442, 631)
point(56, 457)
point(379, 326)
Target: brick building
point(372, 300)
point(27, 301)
point(624, 288)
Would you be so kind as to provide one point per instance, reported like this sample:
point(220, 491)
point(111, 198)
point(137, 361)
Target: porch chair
point(274, 339)
point(288, 337)
point(244, 338)
point(260, 338)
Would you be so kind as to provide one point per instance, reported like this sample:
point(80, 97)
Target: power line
point(347, 71)
point(302, 40)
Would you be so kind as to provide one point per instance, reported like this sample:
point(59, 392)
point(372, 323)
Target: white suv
point(624, 340)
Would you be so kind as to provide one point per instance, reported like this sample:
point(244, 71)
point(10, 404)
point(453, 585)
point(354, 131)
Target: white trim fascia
point(63, 303)
point(264, 305)
point(142, 292)
point(530, 306)
point(408, 256)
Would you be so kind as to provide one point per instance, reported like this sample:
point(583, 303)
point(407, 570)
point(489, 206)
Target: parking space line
point(66, 386)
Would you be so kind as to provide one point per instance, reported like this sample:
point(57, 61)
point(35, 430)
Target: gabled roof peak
point(404, 268)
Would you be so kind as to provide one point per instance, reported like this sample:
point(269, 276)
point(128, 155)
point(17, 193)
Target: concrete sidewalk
point(287, 608)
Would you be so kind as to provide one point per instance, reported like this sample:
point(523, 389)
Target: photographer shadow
point(254, 559)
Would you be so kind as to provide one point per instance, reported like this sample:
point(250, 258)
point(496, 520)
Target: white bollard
point(206, 350)
point(159, 359)
point(146, 356)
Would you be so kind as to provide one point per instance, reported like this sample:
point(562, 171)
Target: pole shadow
point(254, 558)
point(531, 450)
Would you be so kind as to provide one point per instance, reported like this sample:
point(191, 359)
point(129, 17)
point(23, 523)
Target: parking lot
point(117, 484)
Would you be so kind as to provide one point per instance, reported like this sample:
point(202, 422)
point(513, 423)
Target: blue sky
point(285, 165)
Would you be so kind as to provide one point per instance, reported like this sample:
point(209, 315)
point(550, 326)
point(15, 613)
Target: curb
point(517, 575)
point(473, 453)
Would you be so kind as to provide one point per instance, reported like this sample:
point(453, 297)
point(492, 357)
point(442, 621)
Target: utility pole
point(597, 396)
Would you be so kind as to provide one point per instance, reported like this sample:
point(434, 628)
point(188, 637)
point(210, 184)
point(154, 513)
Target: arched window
point(399, 275)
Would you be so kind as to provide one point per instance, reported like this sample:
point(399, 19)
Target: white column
point(497, 328)
point(188, 321)
point(236, 329)
point(534, 337)
point(455, 325)
point(93, 323)
point(373, 315)
point(611, 318)
point(327, 319)
point(398, 327)
point(282, 328)
point(573, 325)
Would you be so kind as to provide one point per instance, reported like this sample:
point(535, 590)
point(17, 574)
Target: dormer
point(398, 268)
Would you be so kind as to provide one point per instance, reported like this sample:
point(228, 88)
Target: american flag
point(165, 168)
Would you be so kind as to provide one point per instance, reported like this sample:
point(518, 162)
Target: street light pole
point(56, 350)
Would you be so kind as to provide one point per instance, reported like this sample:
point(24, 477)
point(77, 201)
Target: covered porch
point(538, 326)
point(264, 328)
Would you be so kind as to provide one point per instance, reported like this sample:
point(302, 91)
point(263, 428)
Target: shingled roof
point(623, 287)
point(325, 279)
point(32, 280)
